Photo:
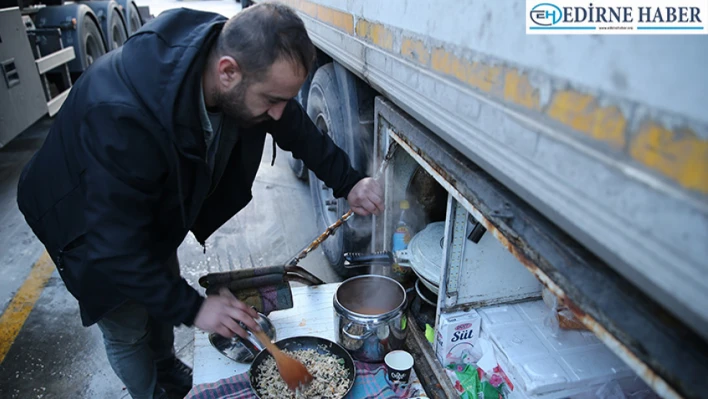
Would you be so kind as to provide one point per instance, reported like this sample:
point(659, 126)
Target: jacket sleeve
point(124, 172)
point(295, 132)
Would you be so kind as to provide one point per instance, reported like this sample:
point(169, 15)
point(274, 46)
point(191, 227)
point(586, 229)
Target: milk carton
point(457, 336)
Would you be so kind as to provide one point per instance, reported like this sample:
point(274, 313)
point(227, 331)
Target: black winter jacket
point(122, 176)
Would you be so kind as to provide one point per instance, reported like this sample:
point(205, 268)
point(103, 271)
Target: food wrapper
point(473, 383)
point(560, 317)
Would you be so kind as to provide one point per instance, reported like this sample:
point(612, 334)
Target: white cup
point(399, 364)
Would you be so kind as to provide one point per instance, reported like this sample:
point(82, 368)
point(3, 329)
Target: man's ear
point(230, 73)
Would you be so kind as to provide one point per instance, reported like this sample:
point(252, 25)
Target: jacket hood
point(164, 62)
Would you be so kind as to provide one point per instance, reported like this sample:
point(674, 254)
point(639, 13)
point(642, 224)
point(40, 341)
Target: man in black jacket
point(158, 138)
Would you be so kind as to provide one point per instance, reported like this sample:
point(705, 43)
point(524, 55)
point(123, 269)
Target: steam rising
point(370, 292)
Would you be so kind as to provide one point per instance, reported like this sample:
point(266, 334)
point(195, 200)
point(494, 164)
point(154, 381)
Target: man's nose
point(276, 111)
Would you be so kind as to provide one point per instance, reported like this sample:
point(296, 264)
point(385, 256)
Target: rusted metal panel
point(431, 374)
point(662, 350)
point(597, 140)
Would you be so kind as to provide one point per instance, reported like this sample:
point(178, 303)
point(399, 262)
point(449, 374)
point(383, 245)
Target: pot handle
point(383, 258)
point(349, 335)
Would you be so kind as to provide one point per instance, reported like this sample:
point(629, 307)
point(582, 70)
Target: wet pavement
point(53, 355)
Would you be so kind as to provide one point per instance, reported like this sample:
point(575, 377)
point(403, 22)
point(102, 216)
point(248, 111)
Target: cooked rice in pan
point(330, 377)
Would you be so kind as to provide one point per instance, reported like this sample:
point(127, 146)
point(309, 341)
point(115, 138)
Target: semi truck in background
point(585, 157)
point(46, 45)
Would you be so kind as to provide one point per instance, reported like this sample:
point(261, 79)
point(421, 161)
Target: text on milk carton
point(457, 336)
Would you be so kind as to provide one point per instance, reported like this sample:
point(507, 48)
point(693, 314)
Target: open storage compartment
point(530, 288)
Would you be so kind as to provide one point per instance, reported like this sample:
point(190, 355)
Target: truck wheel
point(135, 21)
point(85, 37)
point(132, 16)
point(325, 109)
point(117, 31)
point(112, 23)
point(92, 41)
point(296, 165)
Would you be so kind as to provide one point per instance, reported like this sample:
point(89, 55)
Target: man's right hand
point(221, 314)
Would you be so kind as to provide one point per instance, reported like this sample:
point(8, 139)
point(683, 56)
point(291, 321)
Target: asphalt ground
point(45, 352)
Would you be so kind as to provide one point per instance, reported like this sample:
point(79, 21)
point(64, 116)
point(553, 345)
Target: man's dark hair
point(259, 35)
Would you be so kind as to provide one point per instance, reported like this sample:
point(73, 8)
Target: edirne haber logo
point(633, 17)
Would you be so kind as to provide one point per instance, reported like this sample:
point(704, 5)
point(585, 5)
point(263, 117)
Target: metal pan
point(321, 345)
point(243, 350)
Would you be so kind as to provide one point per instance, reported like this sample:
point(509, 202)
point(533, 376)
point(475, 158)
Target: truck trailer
point(46, 45)
point(585, 157)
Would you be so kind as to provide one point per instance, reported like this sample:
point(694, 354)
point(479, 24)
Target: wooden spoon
point(292, 371)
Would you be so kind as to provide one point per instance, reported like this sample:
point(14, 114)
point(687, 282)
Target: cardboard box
point(457, 337)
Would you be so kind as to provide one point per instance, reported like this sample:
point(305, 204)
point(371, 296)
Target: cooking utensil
point(320, 239)
point(370, 319)
point(243, 350)
point(293, 372)
point(423, 255)
point(266, 289)
point(257, 277)
point(321, 345)
point(334, 226)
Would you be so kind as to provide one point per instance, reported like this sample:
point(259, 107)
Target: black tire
point(92, 41)
point(296, 165)
point(118, 31)
point(133, 19)
point(325, 109)
point(246, 3)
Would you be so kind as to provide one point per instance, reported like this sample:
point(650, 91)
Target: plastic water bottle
point(402, 234)
point(401, 238)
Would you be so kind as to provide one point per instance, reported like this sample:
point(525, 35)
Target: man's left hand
point(366, 197)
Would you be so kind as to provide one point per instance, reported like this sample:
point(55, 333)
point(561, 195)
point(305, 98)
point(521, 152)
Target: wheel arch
point(60, 17)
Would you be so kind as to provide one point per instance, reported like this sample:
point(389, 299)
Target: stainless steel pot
point(369, 316)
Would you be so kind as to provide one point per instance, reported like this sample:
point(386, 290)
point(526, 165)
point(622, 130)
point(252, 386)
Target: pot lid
point(426, 252)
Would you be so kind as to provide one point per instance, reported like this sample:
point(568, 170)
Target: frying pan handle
point(383, 258)
point(345, 331)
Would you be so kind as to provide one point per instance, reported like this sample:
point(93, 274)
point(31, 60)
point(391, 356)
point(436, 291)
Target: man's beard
point(233, 104)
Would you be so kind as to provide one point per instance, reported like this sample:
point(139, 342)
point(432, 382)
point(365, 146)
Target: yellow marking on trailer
point(309, 8)
point(518, 90)
point(486, 78)
point(375, 33)
point(583, 113)
point(449, 64)
point(679, 155)
point(340, 19)
point(676, 155)
point(415, 50)
point(475, 74)
point(22, 303)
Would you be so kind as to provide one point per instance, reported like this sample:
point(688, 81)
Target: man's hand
point(366, 197)
point(221, 314)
